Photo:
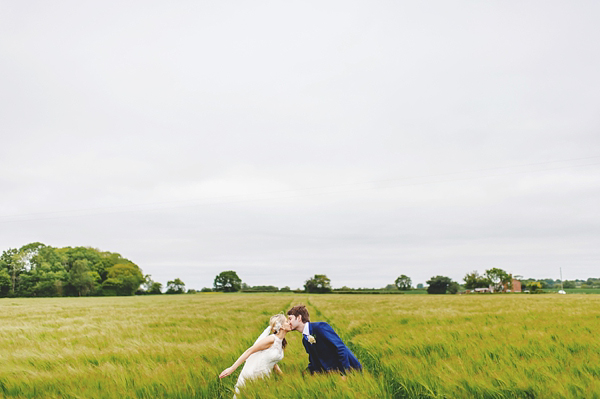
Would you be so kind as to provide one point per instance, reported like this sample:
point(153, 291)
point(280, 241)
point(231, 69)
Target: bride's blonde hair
point(276, 323)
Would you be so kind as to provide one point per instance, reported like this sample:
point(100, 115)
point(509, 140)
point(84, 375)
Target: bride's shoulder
point(266, 341)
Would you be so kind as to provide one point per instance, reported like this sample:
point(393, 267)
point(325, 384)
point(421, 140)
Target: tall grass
point(475, 346)
point(135, 347)
point(483, 346)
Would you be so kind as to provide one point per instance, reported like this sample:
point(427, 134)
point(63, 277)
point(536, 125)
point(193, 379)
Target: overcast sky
point(359, 139)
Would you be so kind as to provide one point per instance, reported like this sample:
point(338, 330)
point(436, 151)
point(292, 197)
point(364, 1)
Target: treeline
point(496, 279)
point(39, 270)
point(549, 283)
point(229, 281)
point(499, 281)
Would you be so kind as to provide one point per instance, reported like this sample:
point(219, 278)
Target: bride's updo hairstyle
point(276, 323)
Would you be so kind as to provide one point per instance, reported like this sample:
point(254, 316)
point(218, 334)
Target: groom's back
point(331, 352)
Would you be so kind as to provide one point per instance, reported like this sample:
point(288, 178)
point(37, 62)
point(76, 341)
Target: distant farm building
point(516, 285)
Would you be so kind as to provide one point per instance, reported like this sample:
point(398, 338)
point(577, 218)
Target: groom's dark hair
point(300, 310)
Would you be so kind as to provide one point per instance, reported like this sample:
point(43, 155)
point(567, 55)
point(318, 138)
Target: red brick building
point(516, 285)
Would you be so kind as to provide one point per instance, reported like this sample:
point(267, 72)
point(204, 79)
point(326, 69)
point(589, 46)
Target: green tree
point(111, 287)
point(227, 281)
point(499, 279)
point(123, 279)
point(5, 283)
point(155, 288)
point(49, 286)
point(23, 274)
point(40, 270)
point(319, 283)
point(403, 283)
point(10, 260)
point(474, 280)
point(593, 282)
point(98, 261)
point(81, 277)
point(105, 260)
point(264, 288)
point(569, 284)
point(453, 287)
point(175, 287)
point(47, 276)
point(534, 286)
point(549, 283)
point(29, 253)
point(150, 286)
point(147, 284)
point(438, 284)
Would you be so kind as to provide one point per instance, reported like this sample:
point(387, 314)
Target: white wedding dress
point(260, 364)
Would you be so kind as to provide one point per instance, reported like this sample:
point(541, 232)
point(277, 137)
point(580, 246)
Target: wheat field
point(425, 346)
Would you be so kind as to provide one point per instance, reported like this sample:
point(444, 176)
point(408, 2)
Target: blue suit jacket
point(329, 353)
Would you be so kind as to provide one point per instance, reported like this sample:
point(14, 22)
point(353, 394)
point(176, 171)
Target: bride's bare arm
point(261, 345)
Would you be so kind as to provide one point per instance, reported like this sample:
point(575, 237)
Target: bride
point(262, 357)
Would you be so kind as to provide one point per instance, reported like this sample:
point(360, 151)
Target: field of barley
point(421, 346)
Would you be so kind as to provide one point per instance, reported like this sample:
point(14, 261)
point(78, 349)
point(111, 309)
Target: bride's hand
point(226, 372)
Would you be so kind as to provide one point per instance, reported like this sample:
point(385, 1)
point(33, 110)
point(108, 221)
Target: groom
point(326, 351)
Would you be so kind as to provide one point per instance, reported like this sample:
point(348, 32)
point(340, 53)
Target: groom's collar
point(306, 330)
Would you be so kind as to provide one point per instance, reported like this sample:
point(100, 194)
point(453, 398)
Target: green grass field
point(411, 346)
point(576, 290)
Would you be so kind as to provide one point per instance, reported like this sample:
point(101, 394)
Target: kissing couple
point(326, 351)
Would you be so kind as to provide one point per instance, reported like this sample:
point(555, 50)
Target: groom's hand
point(226, 372)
